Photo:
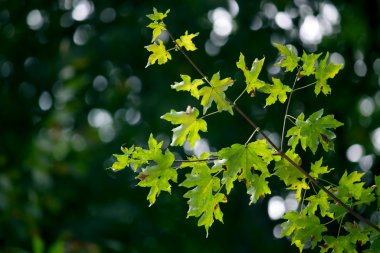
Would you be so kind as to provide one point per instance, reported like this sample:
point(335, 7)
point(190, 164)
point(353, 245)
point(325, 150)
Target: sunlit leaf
point(313, 131)
point(241, 161)
point(289, 60)
point(158, 16)
point(159, 53)
point(277, 91)
point(189, 127)
point(308, 66)
point(323, 72)
point(187, 41)
point(204, 197)
point(317, 169)
point(157, 27)
point(215, 93)
point(251, 76)
point(188, 85)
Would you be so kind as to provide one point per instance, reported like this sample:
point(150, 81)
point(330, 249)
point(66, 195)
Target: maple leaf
point(216, 94)
point(338, 244)
point(323, 72)
point(276, 91)
point(204, 198)
point(350, 185)
point(317, 169)
point(321, 201)
point(159, 53)
point(158, 16)
point(239, 162)
point(189, 127)
point(308, 67)
point(157, 27)
point(188, 85)
point(303, 228)
point(292, 177)
point(289, 59)
point(186, 41)
point(123, 160)
point(251, 76)
point(313, 131)
point(157, 176)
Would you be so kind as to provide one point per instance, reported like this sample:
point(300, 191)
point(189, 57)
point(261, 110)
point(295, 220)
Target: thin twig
point(287, 109)
point(241, 94)
point(209, 114)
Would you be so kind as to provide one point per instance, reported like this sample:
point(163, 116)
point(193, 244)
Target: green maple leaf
point(350, 185)
point(338, 244)
point(317, 169)
point(187, 41)
point(159, 53)
point(321, 201)
point(123, 160)
point(158, 16)
point(323, 72)
point(189, 127)
point(251, 76)
point(313, 131)
point(204, 198)
point(157, 176)
point(303, 228)
point(276, 91)
point(240, 160)
point(289, 59)
point(188, 85)
point(292, 177)
point(216, 94)
point(157, 27)
point(308, 67)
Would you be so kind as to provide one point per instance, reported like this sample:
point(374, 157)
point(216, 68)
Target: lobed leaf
point(323, 72)
point(204, 197)
point(251, 76)
point(159, 53)
point(277, 91)
point(187, 85)
point(313, 131)
point(215, 93)
point(241, 161)
point(157, 27)
point(189, 127)
point(187, 41)
point(158, 16)
point(289, 60)
point(309, 62)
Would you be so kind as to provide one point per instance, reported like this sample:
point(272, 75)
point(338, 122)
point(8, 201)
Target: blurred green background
point(73, 89)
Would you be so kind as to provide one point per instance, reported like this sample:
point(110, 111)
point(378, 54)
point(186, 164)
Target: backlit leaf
point(188, 85)
point(204, 197)
point(157, 27)
point(241, 163)
point(276, 91)
point(308, 66)
point(159, 53)
point(189, 127)
point(158, 16)
point(216, 94)
point(317, 169)
point(289, 60)
point(251, 76)
point(323, 72)
point(313, 131)
point(187, 41)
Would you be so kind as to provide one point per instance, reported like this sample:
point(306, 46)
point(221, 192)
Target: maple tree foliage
point(212, 176)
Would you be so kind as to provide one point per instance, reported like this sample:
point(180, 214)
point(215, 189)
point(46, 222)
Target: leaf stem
point(241, 94)
point(209, 114)
point(303, 87)
point(287, 109)
point(250, 137)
